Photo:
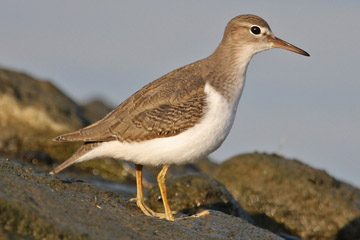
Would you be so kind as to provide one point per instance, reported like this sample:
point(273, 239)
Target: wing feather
point(163, 108)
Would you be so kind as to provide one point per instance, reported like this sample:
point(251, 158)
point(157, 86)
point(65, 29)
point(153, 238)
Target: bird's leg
point(140, 197)
point(161, 181)
point(139, 192)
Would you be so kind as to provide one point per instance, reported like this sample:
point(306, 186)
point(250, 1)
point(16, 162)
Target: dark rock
point(206, 166)
point(38, 158)
point(288, 196)
point(350, 231)
point(95, 109)
point(38, 206)
point(288, 237)
point(32, 113)
point(194, 193)
point(150, 173)
point(109, 169)
point(11, 145)
point(203, 166)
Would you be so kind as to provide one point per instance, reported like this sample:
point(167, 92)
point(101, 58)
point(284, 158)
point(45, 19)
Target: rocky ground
point(251, 196)
point(35, 205)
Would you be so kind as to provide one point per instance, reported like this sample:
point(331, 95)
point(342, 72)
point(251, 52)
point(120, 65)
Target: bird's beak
point(278, 43)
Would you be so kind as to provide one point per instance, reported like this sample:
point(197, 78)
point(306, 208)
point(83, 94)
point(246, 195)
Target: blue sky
point(304, 108)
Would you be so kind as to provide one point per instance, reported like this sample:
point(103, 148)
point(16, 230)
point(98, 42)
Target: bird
point(182, 116)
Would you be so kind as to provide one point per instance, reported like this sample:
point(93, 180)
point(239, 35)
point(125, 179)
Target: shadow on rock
point(262, 220)
point(350, 231)
point(194, 193)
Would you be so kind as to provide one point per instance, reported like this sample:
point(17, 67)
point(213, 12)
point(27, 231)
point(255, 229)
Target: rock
point(109, 169)
point(203, 166)
point(37, 158)
point(288, 196)
point(350, 231)
point(206, 166)
point(32, 113)
point(95, 109)
point(282, 195)
point(34, 205)
point(192, 194)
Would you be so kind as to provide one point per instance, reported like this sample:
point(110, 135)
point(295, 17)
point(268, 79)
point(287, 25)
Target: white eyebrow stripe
point(265, 31)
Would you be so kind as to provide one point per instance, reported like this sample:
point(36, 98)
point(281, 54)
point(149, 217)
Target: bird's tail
point(69, 137)
point(78, 156)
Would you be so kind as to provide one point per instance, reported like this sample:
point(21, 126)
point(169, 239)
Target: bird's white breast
point(190, 145)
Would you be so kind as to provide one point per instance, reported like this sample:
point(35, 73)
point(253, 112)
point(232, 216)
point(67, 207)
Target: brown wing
point(163, 108)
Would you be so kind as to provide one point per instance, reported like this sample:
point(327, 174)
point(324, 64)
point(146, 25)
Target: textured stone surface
point(192, 194)
point(34, 205)
point(95, 109)
point(282, 195)
point(32, 113)
point(288, 196)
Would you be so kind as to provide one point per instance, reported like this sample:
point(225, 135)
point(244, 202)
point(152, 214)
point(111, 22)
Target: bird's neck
point(227, 68)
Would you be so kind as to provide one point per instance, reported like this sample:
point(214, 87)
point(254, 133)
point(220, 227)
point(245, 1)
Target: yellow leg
point(161, 181)
point(140, 197)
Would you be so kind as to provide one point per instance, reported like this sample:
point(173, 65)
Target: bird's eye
point(255, 30)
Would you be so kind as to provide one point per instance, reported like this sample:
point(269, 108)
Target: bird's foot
point(148, 211)
point(201, 214)
point(197, 215)
point(132, 199)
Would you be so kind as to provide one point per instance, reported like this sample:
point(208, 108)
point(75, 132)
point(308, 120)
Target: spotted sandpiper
point(182, 116)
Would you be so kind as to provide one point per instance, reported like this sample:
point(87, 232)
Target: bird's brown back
point(162, 108)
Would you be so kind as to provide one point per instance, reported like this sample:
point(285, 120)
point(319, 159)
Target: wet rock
point(38, 206)
point(288, 196)
point(192, 194)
